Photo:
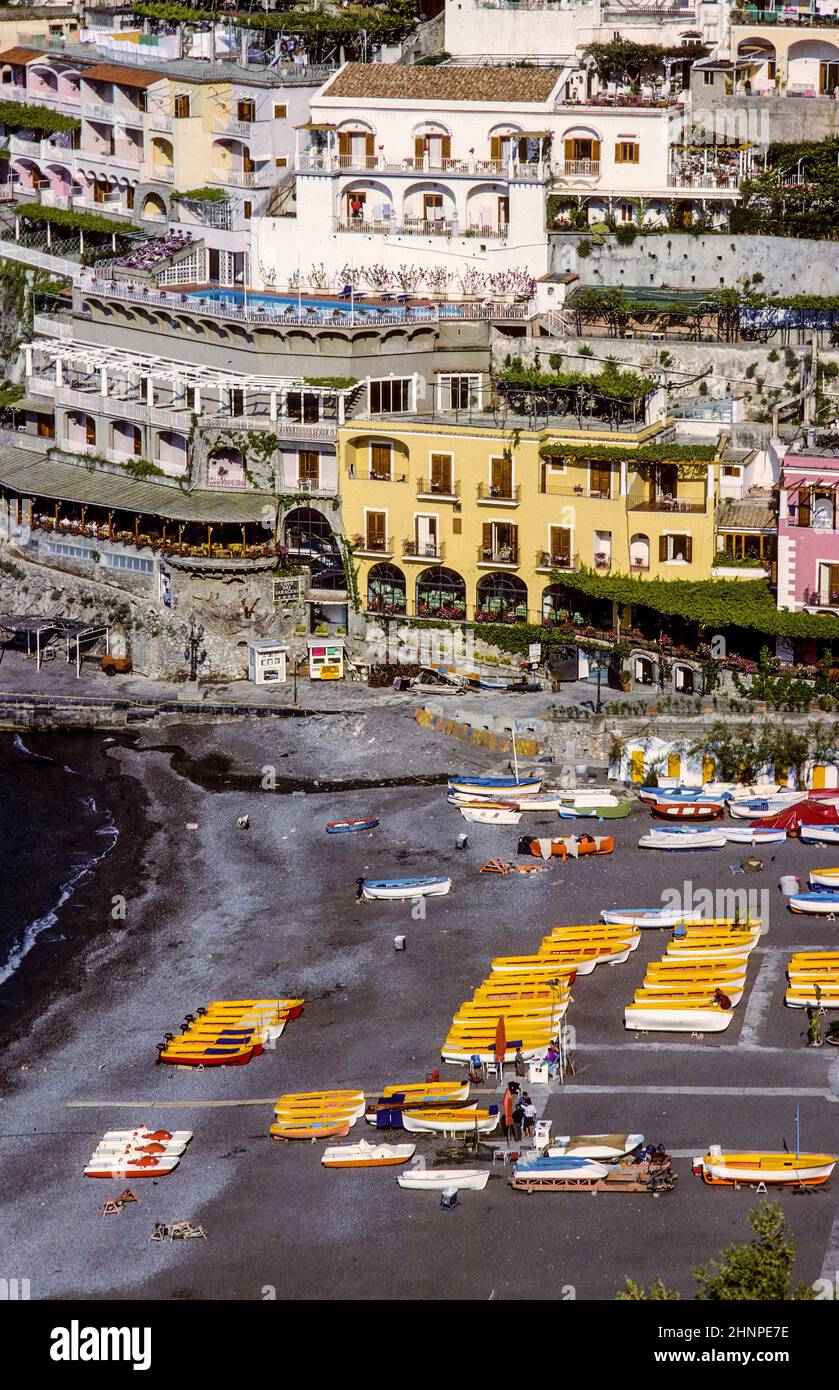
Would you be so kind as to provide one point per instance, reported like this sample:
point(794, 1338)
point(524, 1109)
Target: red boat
point(687, 810)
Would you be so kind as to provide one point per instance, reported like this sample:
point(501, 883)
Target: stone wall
point(672, 260)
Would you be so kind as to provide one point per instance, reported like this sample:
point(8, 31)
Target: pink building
point(808, 526)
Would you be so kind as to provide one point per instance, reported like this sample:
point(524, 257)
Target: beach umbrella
point(501, 1042)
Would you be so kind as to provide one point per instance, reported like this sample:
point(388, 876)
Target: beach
point(217, 912)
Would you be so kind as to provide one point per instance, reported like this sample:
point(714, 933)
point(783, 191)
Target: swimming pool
point(286, 305)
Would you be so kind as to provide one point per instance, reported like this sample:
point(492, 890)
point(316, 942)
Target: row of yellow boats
point(529, 995)
point(435, 1106)
point(699, 981)
point(813, 980)
point(228, 1032)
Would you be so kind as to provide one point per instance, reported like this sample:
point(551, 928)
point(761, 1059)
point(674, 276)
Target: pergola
point(49, 631)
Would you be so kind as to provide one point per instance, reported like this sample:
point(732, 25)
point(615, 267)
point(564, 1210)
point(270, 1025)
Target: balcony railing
point(158, 173)
point(368, 477)
point(158, 122)
point(321, 161)
point(324, 430)
point(581, 168)
point(639, 566)
point(557, 560)
point(99, 111)
point(498, 555)
point(665, 504)
point(240, 178)
point(413, 549)
point(428, 487)
point(576, 490)
point(373, 545)
point(489, 492)
point(419, 227)
point(227, 125)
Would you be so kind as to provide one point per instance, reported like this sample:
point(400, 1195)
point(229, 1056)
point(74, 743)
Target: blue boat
point(488, 786)
point(394, 889)
point(563, 1166)
point(342, 827)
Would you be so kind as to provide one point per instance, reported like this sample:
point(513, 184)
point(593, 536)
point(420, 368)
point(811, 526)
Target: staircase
point(282, 201)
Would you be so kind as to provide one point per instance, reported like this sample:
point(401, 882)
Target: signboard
point(534, 651)
point(785, 650)
point(288, 590)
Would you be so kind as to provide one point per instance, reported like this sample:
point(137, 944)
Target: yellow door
point(674, 765)
point(707, 770)
point(819, 778)
point(782, 776)
point(637, 766)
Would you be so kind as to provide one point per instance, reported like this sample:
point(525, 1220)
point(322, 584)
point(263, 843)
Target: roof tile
point(400, 82)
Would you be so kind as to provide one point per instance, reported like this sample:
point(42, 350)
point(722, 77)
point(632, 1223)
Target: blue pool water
point(280, 302)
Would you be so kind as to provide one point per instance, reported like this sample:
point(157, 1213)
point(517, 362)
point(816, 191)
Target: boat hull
point(396, 890)
point(671, 1019)
point(435, 1180)
point(347, 827)
point(814, 904)
point(810, 1170)
point(367, 1155)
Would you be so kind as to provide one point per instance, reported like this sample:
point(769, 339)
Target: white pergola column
point(103, 381)
point(28, 357)
point(341, 408)
point(197, 406)
point(272, 408)
point(149, 390)
point(58, 372)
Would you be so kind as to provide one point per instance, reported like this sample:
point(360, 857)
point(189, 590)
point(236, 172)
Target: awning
point(21, 55)
point(126, 77)
point(32, 475)
point(316, 125)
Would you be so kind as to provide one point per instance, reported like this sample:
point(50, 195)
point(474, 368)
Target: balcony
point(99, 111)
point(490, 495)
point(379, 477)
point(446, 491)
point(423, 550)
point(158, 122)
point(157, 173)
point(573, 490)
point(681, 505)
point(323, 162)
point(228, 126)
point(581, 168)
point(239, 178)
point(498, 557)
point(373, 546)
point(323, 430)
point(549, 560)
point(602, 562)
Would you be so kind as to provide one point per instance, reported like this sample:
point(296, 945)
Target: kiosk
point(267, 662)
point(326, 658)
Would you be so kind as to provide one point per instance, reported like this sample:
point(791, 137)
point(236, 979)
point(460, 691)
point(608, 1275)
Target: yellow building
point(471, 521)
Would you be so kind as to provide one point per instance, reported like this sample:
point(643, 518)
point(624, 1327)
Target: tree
point(760, 1270)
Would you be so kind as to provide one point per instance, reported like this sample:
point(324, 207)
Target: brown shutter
point(662, 547)
point(522, 150)
point(369, 145)
point(689, 548)
point(375, 530)
point(804, 500)
point(618, 152)
point(344, 144)
point(446, 147)
point(495, 147)
point(419, 149)
point(569, 149)
point(595, 150)
point(487, 543)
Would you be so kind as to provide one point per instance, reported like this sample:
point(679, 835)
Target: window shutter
point(343, 143)
point(595, 150)
point(804, 501)
point(569, 150)
point(521, 152)
point(495, 147)
point(619, 152)
point(419, 149)
point(369, 145)
point(689, 548)
point(487, 542)
point(446, 147)
point(662, 547)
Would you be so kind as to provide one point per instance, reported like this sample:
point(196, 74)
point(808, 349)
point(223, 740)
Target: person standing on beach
point(508, 1105)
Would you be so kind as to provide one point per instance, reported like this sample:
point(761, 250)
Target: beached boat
point(687, 810)
point(131, 1165)
point(606, 810)
point(343, 827)
point(490, 814)
point(457, 1053)
point(605, 1147)
point(811, 834)
point(814, 994)
point(678, 1017)
point(753, 835)
point(819, 904)
point(495, 787)
point(728, 1167)
point(367, 1155)
point(683, 795)
point(566, 846)
point(423, 1091)
point(186, 1053)
point(568, 1167)
point(140, 1146)
point(397, 889)
point(693, 991)
point(143, 1135)
point(643, 917)
point(311, 1130)
point(437, 1179)
point(596, 931)
point(756, 808)
point(824, 878)
point(698, 840)
point(450, 1121)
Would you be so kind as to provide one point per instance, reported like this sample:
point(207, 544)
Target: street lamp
point(194, 652)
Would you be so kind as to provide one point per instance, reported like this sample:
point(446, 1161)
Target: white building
point(447, 170)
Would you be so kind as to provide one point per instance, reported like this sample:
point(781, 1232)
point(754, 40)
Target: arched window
point(441, 593)
point(501, 598)
point(386, 590)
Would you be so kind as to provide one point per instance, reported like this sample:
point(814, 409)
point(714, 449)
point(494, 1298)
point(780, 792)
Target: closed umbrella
point(501, 1043)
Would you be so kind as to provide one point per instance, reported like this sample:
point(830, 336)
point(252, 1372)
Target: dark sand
point(219, 912)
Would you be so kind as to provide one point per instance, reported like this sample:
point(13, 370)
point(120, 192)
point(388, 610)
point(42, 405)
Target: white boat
point(495, 815)
point(458, 1056)
point(762, 807)
point(647, 916)
point(821, 904)
point(142, 1134)
point(495, 787)
point(395, 889)
point(683, 840)
point(677, 1018)
point(824, 878)
point(366, 1155)
point(806, 995)
point(602, 1146)
point(561, 1167)
point(753, 835)
point(436, 1179)
point(443, 1121)
point(818, 834)
point(139, 1147)
point(131, 1166)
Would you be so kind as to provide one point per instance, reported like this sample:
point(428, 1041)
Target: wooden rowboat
point(809, 1169)
point(367, 1155)
point(315, 1129)
point(343, 827)
point(450, 1121)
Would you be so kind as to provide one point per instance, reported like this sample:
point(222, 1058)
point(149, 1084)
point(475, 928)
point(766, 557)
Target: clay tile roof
point(129, 77)
point(752, 514)
point(20, 55)
point(400, 82)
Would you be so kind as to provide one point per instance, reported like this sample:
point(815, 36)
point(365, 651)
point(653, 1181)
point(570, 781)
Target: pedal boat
point(367, 1155)
point(131, 1165)
point(694, 993)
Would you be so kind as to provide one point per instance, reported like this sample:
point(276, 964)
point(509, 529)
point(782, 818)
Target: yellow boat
point(808, 1169)
point(449, 1121)
point(677, 1016)
point(422, 1090)
point(291, 1097)
point(696, 993)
